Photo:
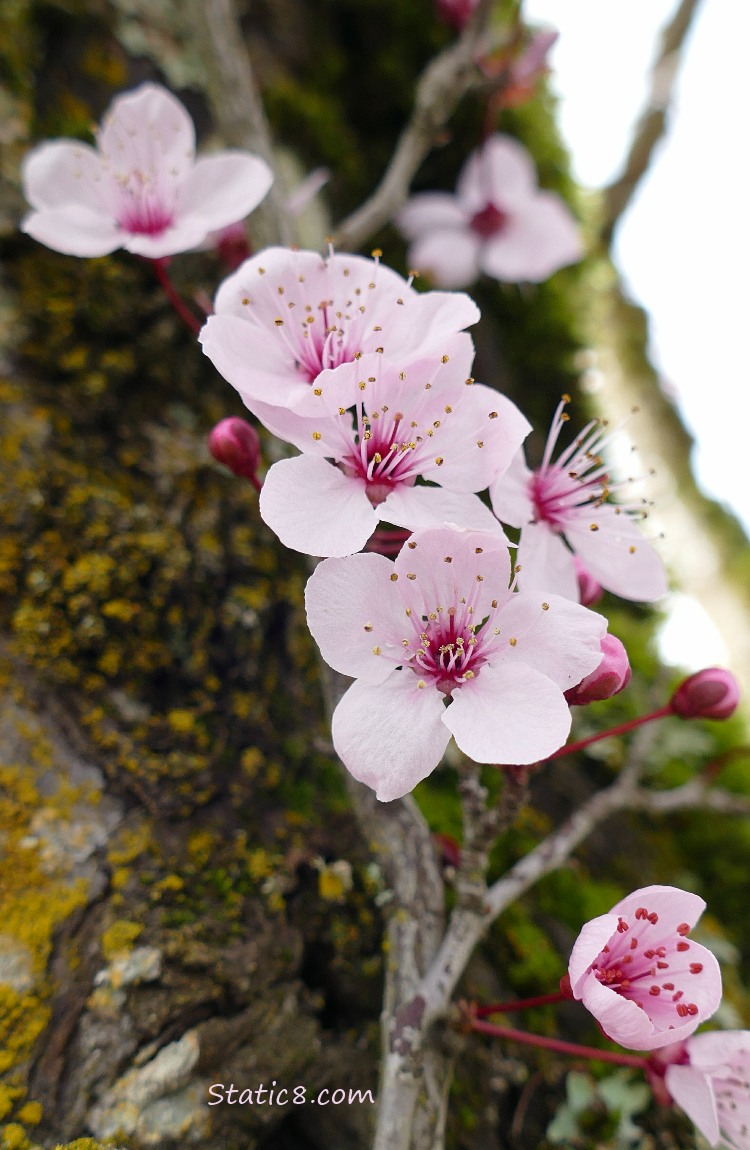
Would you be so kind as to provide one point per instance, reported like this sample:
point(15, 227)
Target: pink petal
point(74, 230)
point(714, 1050)
point(562, 640)
point(418, 507)
point(672, 905)
point(449, 257)
point(509, 493)
point(62, 173)
point(255, 361)
point(429, 212)
point(483, 434)
point(353, 610)
point(424, 322)
point(390, 736)
point(296, 429)
point(148, 130)
point(511, 715)
point(538, 240)
point(693, 1092)
point(440, 564)
point(258, 280)
point(314, 508)
point(224, 189)
point(622, 1020)
point(546, 563)
point(501, 173)
point(617, 555)
point(591, 941)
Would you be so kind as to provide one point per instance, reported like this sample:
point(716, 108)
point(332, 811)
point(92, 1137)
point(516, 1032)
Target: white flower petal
point(224, 189)
point(74, 231)
point(390, 736)
point(356, 616)
point(546, 564)
point(314, 508)
point(562, 639)
point(508, 715)
point(417, 507)
point(616, 553)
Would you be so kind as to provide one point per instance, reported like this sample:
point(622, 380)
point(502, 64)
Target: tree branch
point(652, 122)
point(444, 82)
point(237, 107)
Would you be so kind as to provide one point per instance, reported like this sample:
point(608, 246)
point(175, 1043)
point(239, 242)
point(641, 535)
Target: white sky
point(684, 246)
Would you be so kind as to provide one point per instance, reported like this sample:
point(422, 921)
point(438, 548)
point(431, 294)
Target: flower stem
point(558, 1045)
point(176, 300)
point(622, 729)
point(519, 1004)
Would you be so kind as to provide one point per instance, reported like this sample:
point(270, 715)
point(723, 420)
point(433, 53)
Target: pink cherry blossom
point(441, 625)
point(141, 188)
point(713, 1086)
point(367, 431)
point(498, 223)
point(285, 316)
point(638, 973)
point(563, 511)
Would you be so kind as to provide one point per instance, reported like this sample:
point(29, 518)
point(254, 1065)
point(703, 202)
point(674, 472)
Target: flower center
point(490, 221)
point(646, 967)
point(448, 651)
point(142, 209)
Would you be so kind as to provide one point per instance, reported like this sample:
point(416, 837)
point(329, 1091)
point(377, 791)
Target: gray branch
point(443, 84)
point(237, 107)
point(653, 120)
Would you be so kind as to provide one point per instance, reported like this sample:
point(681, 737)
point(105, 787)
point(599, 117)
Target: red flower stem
point(519, 1004)
point(623, 728)
point(558, 1045)
point(176, 300)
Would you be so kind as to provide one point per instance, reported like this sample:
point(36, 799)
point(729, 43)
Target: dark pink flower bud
point(589, 590)
point(235, 443)
point(609, 678)
point(455, 12)
point(709, 694)
point(231, 245)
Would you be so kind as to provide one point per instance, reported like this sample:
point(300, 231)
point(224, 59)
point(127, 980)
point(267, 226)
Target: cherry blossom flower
point(498, 222)
point(711, 1082)
point(367, 431)
point(141, 188)
point(638, 974)
point(440, 625)
point(285, 316)
point(562, 510)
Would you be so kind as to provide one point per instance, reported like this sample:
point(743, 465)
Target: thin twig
point(652, 122)
point(237, 107)
point(444, 82)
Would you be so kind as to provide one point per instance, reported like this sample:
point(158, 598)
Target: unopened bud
point(231, 246)
point(709, 694)
point(609, 678)
point(588, 588)
point(235, 443)
point(455, 12)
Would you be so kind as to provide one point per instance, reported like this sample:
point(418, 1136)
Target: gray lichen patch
point(129, 1103)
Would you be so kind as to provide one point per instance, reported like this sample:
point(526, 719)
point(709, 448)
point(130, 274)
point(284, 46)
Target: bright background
point(684, 245)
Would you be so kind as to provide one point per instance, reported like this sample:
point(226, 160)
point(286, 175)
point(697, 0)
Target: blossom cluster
point(371, 381)
point(463, 633)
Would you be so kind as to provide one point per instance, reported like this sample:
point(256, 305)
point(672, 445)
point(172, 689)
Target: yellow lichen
point(120, 937)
